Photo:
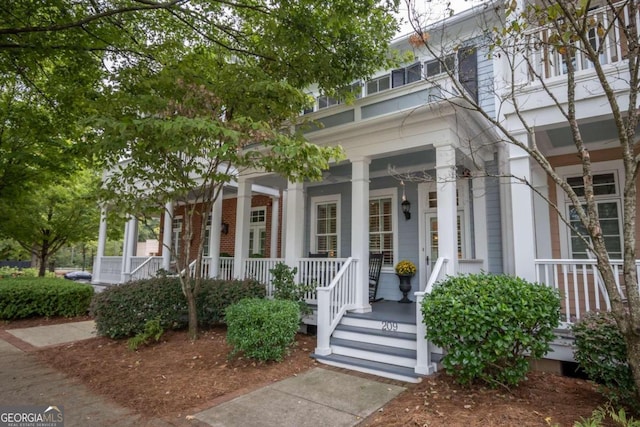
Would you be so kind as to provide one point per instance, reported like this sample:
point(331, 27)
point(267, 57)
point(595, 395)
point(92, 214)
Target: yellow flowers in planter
point(406, 267)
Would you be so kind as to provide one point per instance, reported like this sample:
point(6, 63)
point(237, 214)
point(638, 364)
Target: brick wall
point(229, 209)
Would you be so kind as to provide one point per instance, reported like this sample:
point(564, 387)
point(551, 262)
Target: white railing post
point(324, 332)
point(424, 365)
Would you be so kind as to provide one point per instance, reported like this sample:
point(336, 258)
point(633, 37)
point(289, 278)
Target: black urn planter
point(405, 286)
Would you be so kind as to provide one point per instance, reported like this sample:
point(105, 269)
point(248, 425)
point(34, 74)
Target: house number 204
point(389, 325)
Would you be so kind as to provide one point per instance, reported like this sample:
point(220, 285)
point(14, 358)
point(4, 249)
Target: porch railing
point(580, 285)
point(333, 301)
point(260, 270)
point(144, 267)
point(470, 266)
point(318, 272)
point(424, 366)
point(226, 268)
point(111, 269)
point(549, 63)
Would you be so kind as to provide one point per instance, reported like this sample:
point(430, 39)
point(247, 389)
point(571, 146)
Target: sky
point(432, 11)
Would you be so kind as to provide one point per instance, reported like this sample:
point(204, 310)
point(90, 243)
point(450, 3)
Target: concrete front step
point(370, 367)
point(374, 352)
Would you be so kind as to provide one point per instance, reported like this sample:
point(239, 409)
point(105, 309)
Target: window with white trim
point(382, 223)
point(176, 234)
point(207, 237)
point(325, 225)
point(607, 198)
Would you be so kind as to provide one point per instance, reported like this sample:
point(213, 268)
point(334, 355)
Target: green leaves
point(602, 352)
point(262, 329)
point(488, 323)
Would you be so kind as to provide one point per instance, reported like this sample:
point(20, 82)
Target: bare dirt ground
point(176, 377)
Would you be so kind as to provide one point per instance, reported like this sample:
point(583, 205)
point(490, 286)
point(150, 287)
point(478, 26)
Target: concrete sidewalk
point(316, 397)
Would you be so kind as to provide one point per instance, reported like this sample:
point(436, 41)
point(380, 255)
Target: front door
point(432, 240)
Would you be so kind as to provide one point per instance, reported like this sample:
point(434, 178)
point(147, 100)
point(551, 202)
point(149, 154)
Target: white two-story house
point(424, 180)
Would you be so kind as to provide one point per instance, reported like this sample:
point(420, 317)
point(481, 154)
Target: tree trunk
point(633, 358)
point(193, 314)
point(43, 256)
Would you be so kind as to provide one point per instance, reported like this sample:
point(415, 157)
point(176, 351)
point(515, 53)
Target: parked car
point(78, 275)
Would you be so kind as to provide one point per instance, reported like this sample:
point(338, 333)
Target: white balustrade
point(548, 63)
point(580, 285)
point(111, 269)
point(145, 267)
point(333, 301)
point(260, 269)
point(318, 272)
point(470, 266)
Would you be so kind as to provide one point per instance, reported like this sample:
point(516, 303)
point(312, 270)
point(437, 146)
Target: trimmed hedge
point(489, 324)
point(262, 329)
point(122, 311)
point(33, 296)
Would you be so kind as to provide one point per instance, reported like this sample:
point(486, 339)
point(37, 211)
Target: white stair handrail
point(140, 267)
point(333, 301)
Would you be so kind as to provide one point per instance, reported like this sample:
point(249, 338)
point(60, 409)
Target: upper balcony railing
point(548, 63)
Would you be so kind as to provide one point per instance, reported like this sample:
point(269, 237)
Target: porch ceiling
point(595, 132)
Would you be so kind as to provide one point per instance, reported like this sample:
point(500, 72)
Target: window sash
point(609, 213)
point(381, 228)
point(326, 227)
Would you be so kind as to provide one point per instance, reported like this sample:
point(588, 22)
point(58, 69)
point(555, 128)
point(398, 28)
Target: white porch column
point(294, 242)
point(360, 230)
point(214, 236)
point(479, 198)
point(275, 229)
point(524, 238)
point(167, 234)
point(283, 229)
point(102, 240)
point(128, 250)
point(447, 209)
point(243, 212)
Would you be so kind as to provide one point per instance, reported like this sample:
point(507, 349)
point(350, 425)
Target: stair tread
point(376, 348)
point(375, 317)
point(369, 364)
point(371, 331)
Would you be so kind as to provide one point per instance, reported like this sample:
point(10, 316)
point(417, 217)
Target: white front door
point(432, 239)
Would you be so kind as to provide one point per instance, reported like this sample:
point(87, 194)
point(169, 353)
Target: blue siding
point(494, 219)
point(486, 97)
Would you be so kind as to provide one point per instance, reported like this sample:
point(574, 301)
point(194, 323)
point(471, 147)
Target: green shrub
point(9, 272)
point(122, 311)
point(152, 330)
point(217, 296)
point(262, 329)
point(602, 352)
point(286, 288)
point(487, 324)
point(32, 296)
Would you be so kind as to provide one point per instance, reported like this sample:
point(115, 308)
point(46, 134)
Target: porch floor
point(390, 310)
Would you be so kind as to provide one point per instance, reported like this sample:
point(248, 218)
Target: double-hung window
point(326, 225)
point(382, 224)
point(606, 190)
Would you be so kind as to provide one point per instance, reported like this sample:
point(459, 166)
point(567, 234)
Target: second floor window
point(436, 67)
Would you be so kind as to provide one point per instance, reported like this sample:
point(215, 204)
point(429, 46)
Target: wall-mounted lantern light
point(406, 209)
